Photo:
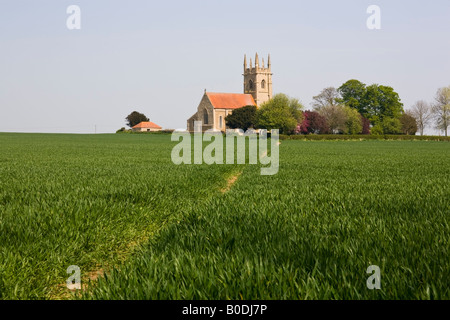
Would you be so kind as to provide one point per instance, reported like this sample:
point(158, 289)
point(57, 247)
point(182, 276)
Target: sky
point(158, 57)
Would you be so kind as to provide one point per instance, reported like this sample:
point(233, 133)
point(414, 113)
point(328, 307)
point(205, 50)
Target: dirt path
point(231, 181)
point(62, 292)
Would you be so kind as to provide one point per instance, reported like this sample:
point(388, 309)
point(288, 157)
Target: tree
point(391, 126)
point(380, 102)
point(353, 124)
point(281, 112)
point(296, 108)
point(336, 118)
point(328, 96)
point(441, 109)
point(373, 102)
point(313, 122)
point(352, 93)
point(135, 118)
point(387, 126)
point(409, 124)
point(365, 125)
point(242, 118)
point(377, 130)
point(421, 111)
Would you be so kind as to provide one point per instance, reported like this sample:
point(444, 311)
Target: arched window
point(205, 117)
point(263, 84)
point(220, 122)
point(250, 85)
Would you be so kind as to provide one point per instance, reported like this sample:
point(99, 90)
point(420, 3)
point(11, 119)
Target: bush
point(387, 126)
point(391, 126)
point(242, 118)
point(377, 130)
point(354, 123)
point(123, 130)
point(343, 137)
point(313, 122)
point(409, 124)
point(281, 112)
point(365, 125)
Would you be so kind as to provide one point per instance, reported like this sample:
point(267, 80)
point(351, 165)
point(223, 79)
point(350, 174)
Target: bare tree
point(421, 111)
point(441, 109)
point(336, 117)
point(327, 97)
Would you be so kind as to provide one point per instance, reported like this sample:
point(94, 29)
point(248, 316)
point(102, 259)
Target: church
point(214, 107)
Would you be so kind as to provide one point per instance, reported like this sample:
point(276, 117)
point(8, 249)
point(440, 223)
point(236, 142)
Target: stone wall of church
point(219, 118)
point(204, 108)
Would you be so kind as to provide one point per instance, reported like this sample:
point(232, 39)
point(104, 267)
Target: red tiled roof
point(230, 100)
point(147, 125)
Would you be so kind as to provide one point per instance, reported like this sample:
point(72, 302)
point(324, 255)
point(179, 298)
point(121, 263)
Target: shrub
point(313, 122)
point(281, 112)
point(409, 124)
point(242, 118)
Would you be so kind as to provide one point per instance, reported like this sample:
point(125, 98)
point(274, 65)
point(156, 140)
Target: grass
point(87, 201)
point(117, 203)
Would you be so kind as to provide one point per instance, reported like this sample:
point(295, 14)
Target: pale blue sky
point(157, 57)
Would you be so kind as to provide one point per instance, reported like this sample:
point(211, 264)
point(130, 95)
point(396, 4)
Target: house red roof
point(230, 100)
point(147, 125)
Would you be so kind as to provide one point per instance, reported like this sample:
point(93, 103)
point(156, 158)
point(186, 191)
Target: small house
point(146, 126)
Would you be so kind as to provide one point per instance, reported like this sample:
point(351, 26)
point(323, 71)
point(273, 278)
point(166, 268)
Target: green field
point(116, 204)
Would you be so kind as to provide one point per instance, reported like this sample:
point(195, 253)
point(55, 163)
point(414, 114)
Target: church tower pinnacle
point(258, 80)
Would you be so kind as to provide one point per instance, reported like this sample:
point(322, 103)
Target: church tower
point(258, 80)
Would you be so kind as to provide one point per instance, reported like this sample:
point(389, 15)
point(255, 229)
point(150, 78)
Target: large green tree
point(352, 93)
point(374, 102)
point(135, 118)
point(381, 102)
point(281, 112)
point(242, 118)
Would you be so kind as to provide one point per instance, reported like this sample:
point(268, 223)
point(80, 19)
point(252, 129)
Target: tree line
point(353, 108)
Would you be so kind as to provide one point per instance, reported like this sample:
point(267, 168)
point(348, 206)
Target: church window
point(205, 117)
point(220, 122)
point(263, 84)
point(250, 85)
